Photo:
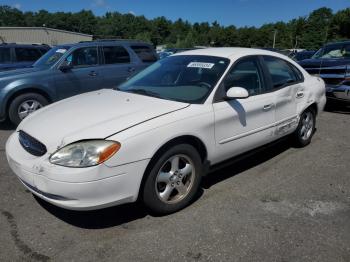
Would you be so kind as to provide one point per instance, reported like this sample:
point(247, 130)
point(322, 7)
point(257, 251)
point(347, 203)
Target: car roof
point(338, 43)
point(24, 45)
point(106, 42)
point(230, 52)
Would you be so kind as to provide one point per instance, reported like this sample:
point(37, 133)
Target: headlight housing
point(85, 153)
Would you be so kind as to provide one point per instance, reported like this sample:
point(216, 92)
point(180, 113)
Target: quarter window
point(281, 72)
point(245, 74)
point(86, 56)
point(27, 54)
point(115, 55)
point(5, 56)
point(145, 53)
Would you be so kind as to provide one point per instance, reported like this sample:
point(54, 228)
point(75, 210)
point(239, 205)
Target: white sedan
point(154, 137)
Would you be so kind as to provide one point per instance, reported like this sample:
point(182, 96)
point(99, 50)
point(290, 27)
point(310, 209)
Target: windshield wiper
point(143, 92)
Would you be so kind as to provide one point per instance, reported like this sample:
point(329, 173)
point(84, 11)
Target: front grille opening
point(31, 145)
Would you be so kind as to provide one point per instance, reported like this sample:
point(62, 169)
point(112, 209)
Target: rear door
point(243, 124)
point(84, 76)
point(286, 81)
point(118, 65)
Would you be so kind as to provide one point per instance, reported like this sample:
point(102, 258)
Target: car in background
point(302, 55)
point(155, 136)
point(14, 56)
point(68, 70)
point(332, 64)
point(171, 51)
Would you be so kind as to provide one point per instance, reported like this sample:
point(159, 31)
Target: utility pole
point(274, 38)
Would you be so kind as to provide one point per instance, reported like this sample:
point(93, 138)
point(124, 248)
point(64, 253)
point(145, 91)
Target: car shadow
point(119, 215)
point(245, 162)
point(7, 125)
point(345, 110)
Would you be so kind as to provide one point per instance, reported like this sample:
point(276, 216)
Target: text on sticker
point(201, 65)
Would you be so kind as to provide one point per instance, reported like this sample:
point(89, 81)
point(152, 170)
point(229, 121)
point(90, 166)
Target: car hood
point(14, 73)
point(94, 115)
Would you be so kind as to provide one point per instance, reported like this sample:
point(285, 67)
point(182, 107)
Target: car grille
point(31, 145)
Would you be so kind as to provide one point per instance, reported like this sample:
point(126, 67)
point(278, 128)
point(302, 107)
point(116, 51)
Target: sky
point(226, 12)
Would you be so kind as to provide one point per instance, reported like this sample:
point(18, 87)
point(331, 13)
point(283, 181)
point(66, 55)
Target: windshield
point(184, 78)
point(51, 57)
point(333, 51)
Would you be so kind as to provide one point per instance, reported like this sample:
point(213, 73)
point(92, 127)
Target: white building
point(42, 35)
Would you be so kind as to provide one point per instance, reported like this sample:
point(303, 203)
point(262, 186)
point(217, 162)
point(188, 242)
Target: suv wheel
point(173, 180)
point(306, 128)
point(24, 105)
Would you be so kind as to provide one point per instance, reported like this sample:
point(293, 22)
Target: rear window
point(27, 54)
point(145, 53)
point(115, 55)
point(5, 56)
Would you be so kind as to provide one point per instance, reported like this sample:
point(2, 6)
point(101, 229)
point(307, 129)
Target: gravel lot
point(280, 204)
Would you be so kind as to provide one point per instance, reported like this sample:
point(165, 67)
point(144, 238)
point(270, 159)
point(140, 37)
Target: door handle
point(267, 107)
point(131, 69)
point(300, 94)
point(93, 73)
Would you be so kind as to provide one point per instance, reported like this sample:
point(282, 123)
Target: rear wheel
point(173, 180)
point(306, 128)
point(25, 104)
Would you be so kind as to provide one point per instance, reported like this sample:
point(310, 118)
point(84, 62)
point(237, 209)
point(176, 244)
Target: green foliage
point(311, 32)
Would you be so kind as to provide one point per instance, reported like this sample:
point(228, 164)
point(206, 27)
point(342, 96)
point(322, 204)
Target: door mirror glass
point(65, 66)
point(237, 92)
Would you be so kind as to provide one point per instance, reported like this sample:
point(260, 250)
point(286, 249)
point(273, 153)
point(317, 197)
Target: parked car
point(171, 51)
point(302, 55)
point(14, 56)
point(332, 63)
point(68, 70)
point(155, 136)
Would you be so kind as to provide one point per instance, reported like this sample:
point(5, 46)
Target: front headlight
point(85, 153)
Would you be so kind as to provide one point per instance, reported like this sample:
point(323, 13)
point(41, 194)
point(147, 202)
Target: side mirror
point(65, 66)
point(237, 92)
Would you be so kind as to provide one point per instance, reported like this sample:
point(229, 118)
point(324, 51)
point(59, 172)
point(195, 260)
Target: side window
point(27, 54)
point(5, 55)
point(245, 74)
point(145, 53)
point(82, 57)
point(115, 55)
point(346, 51)
point(280, 71)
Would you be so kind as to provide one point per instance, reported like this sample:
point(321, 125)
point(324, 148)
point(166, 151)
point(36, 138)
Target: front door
point(84, 76)
point(243, 124)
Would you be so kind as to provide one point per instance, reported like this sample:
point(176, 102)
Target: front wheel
point(25, 104)
point(173, 180)
point(306, 128)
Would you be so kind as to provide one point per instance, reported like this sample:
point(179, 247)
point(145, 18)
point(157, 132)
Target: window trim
point(269, 78)
point(218, 96)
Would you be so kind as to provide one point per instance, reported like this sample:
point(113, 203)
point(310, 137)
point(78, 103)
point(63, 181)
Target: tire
point(17, 107)
point(306, 128)
point(182, 180)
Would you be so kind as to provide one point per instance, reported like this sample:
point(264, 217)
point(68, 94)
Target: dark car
point(302, 55)
point(14, 56)
point(68, 70)
point(332, 63)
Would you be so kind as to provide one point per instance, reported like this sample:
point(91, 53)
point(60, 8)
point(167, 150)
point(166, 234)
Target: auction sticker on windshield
point(201, 65)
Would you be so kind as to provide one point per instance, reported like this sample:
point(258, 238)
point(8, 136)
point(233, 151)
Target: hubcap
point(307, 126)
point(175, 179)
point(28, 107)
